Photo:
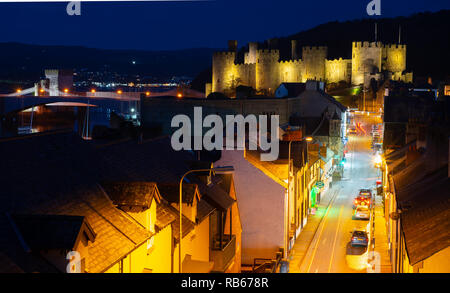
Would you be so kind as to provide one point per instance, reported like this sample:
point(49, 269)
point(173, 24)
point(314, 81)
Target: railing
point(263, 265)
point(223, 256)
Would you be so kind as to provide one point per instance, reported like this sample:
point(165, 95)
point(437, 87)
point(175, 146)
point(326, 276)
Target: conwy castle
point(263, 70)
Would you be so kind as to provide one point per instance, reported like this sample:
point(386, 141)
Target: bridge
point(13, 104)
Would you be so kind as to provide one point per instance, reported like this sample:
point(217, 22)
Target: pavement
point(323, 246)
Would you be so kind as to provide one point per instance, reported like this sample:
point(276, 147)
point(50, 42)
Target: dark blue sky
point(176, 25)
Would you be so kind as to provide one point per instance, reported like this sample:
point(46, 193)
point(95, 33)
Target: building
point(263, 70)
point(417, 212)
point(271, 197)
point(114, 204)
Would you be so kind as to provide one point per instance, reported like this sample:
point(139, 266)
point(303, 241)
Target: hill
point(26, 62)
point(425, 34)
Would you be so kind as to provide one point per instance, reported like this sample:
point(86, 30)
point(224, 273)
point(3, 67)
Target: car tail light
point(354, 238)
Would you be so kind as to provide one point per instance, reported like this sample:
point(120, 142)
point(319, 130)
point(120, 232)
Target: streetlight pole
point(224, 169)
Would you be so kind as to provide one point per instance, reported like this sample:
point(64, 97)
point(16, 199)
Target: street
point(330, 250)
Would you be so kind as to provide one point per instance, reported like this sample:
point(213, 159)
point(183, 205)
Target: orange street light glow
point(66, 90)
point(309, 138)
point(19, 90)
point(147, 94)
point(92, 90)
point(119, 92)
point(179, 95)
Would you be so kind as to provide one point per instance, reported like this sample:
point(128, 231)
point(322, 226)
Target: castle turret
point(267, 70)
point(366, 61)
point(314, 62)
point(250, 57)
point(223, 71)
point(394, 58)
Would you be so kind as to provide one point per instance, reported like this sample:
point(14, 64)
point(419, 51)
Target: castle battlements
point(292, 62)
point(314, 48)
point(338, 60)
point(367, 44)
point(262, 69)
point(395, 46)
point(268, 51)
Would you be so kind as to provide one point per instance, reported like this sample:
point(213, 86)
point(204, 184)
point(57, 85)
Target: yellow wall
point(196, 244)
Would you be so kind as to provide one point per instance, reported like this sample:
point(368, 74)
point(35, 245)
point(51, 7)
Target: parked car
point(362, 213)
point(359, 238)
point(365, 192)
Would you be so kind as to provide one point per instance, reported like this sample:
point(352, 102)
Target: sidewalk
point(381, 239)
point(307, 234)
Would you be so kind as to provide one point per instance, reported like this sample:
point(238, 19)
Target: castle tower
point(394, 58)
point(223, 71)
point(366, 60)
point(250, 57)
point(267, 70)
point(314, 62)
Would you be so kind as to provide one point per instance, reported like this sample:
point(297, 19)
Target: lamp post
point(223, 169)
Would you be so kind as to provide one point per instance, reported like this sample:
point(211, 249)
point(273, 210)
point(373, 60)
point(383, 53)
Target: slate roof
point(278, 172)
point(171, 192)
point(164, 216)
point(52, 174)
point(312, 124)
point(425, 215)
point(204, 209)
point(132, 194)
point(44, 232)
point(215, 195)
point(294, 88)
point(315, 93)
point(150, 161)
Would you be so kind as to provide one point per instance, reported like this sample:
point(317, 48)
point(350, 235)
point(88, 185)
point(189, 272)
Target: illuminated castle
point(263, 70)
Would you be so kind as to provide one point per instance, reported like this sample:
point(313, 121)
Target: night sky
point(178, 25)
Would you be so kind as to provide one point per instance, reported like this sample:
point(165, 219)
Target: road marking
point(320, 235)
point(335, 237)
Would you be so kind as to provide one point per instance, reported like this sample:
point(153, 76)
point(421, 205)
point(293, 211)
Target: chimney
point(294, 54)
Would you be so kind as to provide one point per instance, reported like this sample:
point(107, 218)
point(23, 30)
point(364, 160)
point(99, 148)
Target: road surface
point(330, 251)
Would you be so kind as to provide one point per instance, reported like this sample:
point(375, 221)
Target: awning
point(196, 266)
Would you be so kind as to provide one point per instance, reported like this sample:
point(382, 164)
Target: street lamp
point(219, 169)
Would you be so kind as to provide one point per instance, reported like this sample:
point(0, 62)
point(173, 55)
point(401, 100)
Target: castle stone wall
point(395, 58)
point(263, 70)
point(366, 58)
point(314, 62)
point(267, 70)
point(338, 70)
